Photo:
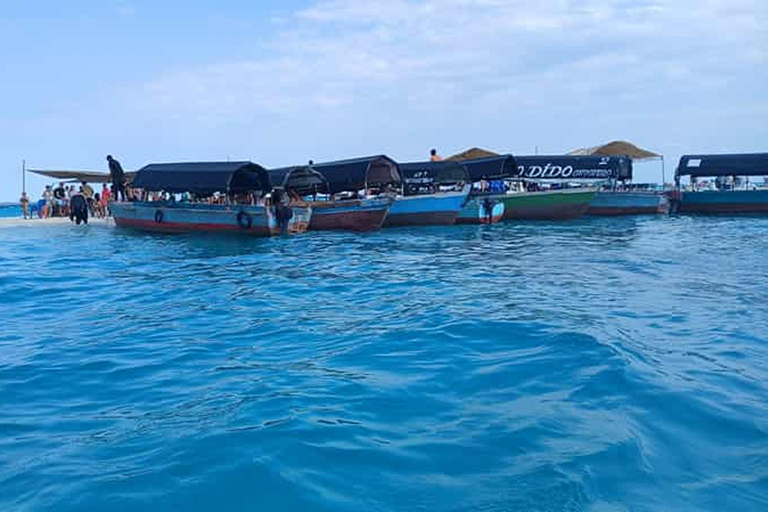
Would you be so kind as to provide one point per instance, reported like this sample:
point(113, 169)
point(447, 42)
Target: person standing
point(48, 202)
point(60, 201)
point(434, 157)
point(117, 176)
point(25, 204)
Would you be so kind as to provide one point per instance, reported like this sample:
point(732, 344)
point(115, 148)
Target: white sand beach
point(63, 222)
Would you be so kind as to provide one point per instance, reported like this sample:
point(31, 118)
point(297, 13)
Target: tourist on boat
point(117, 176)
point(434, 157)
point(24, 200)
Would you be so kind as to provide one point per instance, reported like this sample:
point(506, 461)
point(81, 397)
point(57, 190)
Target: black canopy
point(302, 178)
point(203, 178)
point(357, 173)
point(567, 167)
point(492, 167)
point(433, 172)
point(745, 164)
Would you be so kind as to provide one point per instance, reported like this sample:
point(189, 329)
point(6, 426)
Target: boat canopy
point(358, 173)
point(424, 173)
point(302, 178)
point(203, 178)
point(745, 164)
point(87, 176)
point(566, 167)
point(492, 167)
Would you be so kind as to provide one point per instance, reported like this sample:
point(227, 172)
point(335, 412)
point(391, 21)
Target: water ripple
point(602, 364)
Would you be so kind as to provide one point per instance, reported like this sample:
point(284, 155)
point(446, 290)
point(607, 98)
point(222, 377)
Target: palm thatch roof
point(617, 148)
point(471, 154)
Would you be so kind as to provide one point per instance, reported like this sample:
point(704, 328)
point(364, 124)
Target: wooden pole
point(23, 175)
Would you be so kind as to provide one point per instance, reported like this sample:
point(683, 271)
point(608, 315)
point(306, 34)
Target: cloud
point(457, 68)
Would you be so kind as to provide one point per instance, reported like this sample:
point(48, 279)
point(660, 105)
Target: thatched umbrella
point(622, 148)
point(471, 154)
point(618, 148)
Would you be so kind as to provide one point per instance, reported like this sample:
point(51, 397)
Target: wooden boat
point(351, 215)
point(501, 179)
point(433, 193)
point(332, 190)
point(726, 197)
point(203, 179)
point(628, 202)
point(562, 204)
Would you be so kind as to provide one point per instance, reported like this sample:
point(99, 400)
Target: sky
point(282, 82)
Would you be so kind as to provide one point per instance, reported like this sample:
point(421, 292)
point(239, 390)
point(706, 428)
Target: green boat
point(559, 204)
point(564, 204)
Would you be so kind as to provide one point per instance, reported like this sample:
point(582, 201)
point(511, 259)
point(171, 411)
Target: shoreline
point(15, 222)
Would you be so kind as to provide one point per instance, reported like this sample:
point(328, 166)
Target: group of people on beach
point(62, 200)
point(57, 201)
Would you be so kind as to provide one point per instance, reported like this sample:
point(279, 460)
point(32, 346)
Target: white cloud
point(445, 68)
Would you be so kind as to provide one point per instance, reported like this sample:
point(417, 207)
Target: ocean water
point(598, 365)
point(10, 211)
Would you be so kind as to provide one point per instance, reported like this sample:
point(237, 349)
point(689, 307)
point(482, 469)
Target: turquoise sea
point(598, 365)
point(10, 211)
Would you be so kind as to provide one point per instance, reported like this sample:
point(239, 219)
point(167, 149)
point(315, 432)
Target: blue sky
point(282, 82)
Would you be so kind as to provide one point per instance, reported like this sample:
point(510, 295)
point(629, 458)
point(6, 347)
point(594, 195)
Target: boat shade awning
point(746, 164)
point(425, 173)
point(358, 173)
point(301, 178)
point(493, 167)
point(617, 148)
point(565, 167)
point(203, 178)
point(80, 176)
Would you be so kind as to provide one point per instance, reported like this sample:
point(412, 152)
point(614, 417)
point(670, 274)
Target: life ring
point(159, 215)
point(244, 219)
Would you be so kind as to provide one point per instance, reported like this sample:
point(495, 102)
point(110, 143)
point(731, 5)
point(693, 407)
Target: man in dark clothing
point(117, 176)
point(60, 200)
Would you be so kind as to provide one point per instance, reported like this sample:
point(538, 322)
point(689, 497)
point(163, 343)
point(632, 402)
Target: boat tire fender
point(159, 215)
point(244, 219)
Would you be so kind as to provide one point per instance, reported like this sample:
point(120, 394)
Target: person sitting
point(434, 157)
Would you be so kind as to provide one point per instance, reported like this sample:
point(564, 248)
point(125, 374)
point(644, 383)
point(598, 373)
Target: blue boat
point(730, 193)
point(237, 181)
point(433, 193)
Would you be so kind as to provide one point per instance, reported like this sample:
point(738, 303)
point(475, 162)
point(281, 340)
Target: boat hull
point(351, 215)
point(476, 211)
point(724, 201)
point(564, 204)
point(610, 202)
point(429, 210)
point(187, 218)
